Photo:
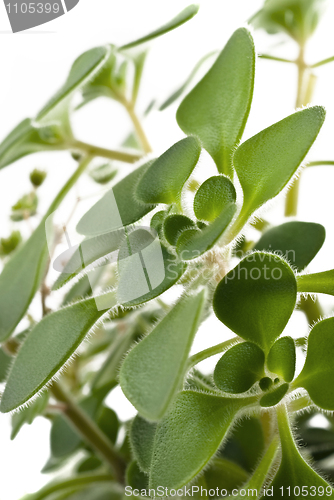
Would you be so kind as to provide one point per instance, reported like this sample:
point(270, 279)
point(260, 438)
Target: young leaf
point(239, 368)
point(193, 431)
point(164, 179)
point(83, 68)
point(117, 208)
point(154, 369)
point(25, 139)
point(184, 16)
point(146, 269)
point(216, 110)
point(177, 93)
point(213, 196)
point(193, 243)
point(135, 477)
point(28, 415)
point(317, 376)
point(142, 435)
point(257, 298)
point(317, 282)
point(294, 472)
point(102, 174)
point(224, 475)
point(174, 225)
point(297, 242)
point(282, 358)
point(266, 162)
point(48, 346)
point(273, 397)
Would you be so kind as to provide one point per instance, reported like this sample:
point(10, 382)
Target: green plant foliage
point(282, 358)
point(89, 464)
point(239, 368)
point(146, 269)
point(257, 298)
point(152, 388)
point(213, 111)
point(224, 475)
point(5, 362)
point(8, 245)
point(317, 375)
point(298, 242)
point(184, 16)
point(25, 207)
point(184, 433)
point(193, 243)
point(136, 477)
point(164, 179)
point(213, 196)
point(28, 415)
point(48, 346)
point(84, 68)
point(174, 225)
point(266, 162)
point(102, 174)
point(142, 435)
point(297, 18)
point(117, 208)
point(274, 396)
point(317, 282)
point(294, 471)
point(25, 139)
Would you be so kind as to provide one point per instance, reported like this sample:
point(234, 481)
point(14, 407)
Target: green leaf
point(89, 464)
point(297, 18)
point(224, 475)
point(317, 376)
point(146, 269)
point(266, 162)
point(297, 242)
point(273, 397)
point(257, 298)
point(142, 435)
point(108, 422)
point(317, 282)
point(83, 288)
point(213, 196)
point(239, 368)
point(27, 415)
point(87, 252)
point(193, 243)
point(184, 16)
point(47, 347)
point(37, 177)
point(164, 179)
point(25, 139)
point(135, 477)
point(102, 174)
point(246, 444)
point(216, 110)
point(152, 385)
point(117, 208)
point(192, 431)
point(83, 69)
point(282, 358)
point(294, 471)
point(178, 92)
point(174, 225)
point(20, 279)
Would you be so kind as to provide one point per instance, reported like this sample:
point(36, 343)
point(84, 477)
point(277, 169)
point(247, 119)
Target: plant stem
point(211, 351)
point(70, 483)
point(311, 308)
point(90, 432)
point(137, 125)
point(321, 162)
point(260, 475)
point(324, 61)
point(91, 150)
point(304, 96)
point(274, 58)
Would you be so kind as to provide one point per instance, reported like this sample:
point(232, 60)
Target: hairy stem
point(260, 475)
point(90, 432)
point(110, 154)
point(320, 163)
point(211, 351)
point(311, 309)
point(274, 58)
point(138, 127)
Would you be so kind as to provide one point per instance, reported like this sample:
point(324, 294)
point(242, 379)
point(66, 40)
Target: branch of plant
point(110, 154)
point(137, 126)
point(211, 351)
point(90, 432)
point(78, 482)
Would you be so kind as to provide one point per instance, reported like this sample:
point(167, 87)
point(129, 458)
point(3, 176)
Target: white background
point(35, 63)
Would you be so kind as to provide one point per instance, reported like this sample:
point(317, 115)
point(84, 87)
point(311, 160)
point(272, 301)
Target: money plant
point(243, 430)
